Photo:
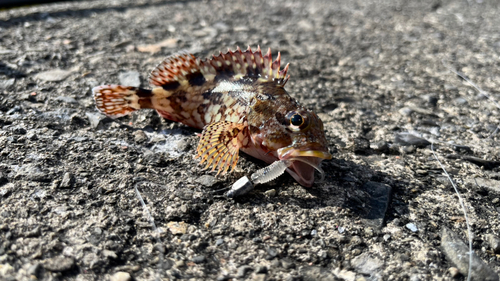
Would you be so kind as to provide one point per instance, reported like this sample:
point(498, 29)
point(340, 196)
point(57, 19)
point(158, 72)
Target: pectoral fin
point(220, 143)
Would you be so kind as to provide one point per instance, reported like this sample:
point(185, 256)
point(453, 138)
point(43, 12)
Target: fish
point(239, 102)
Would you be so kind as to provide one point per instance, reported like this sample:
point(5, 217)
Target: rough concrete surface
point(376, 72)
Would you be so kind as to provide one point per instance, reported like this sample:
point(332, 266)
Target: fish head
point(297, 136)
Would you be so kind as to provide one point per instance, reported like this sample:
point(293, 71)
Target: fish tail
point(117, 101)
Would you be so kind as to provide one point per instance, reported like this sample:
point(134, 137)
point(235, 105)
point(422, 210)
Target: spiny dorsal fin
point(251, 64)
point(239, 64)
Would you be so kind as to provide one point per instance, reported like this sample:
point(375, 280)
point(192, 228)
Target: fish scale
point(238, 100)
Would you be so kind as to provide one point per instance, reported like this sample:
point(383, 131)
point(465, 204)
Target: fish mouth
point(303, 163)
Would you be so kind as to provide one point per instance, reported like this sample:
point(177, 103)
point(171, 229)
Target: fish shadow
point(367, 194)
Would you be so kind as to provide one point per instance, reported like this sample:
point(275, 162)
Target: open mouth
point(303, 164)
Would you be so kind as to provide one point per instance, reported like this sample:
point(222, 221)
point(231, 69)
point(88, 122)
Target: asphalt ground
point(376, 72)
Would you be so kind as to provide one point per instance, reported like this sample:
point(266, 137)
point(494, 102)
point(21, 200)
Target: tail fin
point(117, 101)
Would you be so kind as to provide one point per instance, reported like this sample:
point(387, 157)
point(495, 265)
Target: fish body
point(238, 100)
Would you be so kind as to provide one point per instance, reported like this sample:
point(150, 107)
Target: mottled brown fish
point(238, 99)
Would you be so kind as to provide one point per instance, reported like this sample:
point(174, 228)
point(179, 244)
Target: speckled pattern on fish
point(238, 99)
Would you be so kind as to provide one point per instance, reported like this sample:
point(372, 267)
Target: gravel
point(54, 75)
point(376, 72)
point(130, 78)
point(458, 253)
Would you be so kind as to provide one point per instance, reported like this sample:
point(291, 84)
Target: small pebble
point(55, 75)
point(130, 78)
point(276, 263)
point(58, 264)
point(66, 99)
point(380, 146)
point(462, 148)
point(261, 269)
point(432, 99)
point(94, 118)
point(366, 264)
point(243, 271)
point(90, 259)
point(6, 269)
point(121, 276)
point(356, 252)
point(13, 110)
point(35, 270)
point(412, 227)
point(454, 272)
point(179, 264)
point(177, 227)
point(360, 145)
point(415, 277)
point(4, 84)
point(66, 180)
point(368, 232)
point(259, 277)
point(270, 193)
point(18, 130)
point(404, 257)
point(271, 253)
point(140, 136)
point(198, 259)
point(31, 135)
point(457, 252)
point(287, 263)
point(356, 240)
point(406, 111)
point(343, 239)
point(494, 242)
point(408, 139)
point(206, 180)
point(460, 101)
point(257, 240)
point(109, 254)
point(183, 145)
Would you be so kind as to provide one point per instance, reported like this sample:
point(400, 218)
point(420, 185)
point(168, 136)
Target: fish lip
point(303, 163)
point(291, 152)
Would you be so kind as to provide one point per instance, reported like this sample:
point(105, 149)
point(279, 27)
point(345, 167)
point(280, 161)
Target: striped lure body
point(238, 100)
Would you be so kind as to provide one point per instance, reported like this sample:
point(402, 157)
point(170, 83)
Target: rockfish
point(239, 101)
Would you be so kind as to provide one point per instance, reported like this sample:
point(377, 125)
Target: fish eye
point(297, 121)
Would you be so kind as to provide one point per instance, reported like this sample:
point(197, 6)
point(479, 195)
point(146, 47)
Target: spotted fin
point(251, 64)
point(219, 145)
point(117, 101)
point(185, 70)
point(178, 69)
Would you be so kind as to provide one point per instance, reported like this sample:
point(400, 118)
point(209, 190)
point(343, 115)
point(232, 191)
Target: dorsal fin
point(174, 68)
point(239, 64)
point(251, 64)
